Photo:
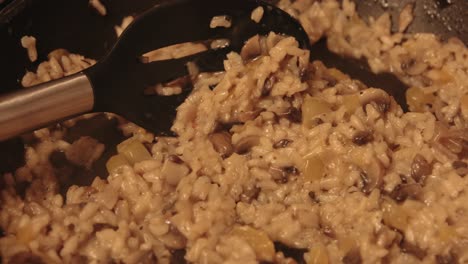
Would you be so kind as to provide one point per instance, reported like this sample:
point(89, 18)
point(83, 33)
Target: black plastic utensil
point(116, 83)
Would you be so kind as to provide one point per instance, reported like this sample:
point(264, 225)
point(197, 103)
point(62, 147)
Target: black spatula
point(116, 84)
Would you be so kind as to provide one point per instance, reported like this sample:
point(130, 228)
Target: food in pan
point(276, 159)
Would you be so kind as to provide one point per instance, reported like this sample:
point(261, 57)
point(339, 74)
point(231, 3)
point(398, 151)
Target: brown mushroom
point(371, 177)
point(420, 169)
point(454, 141)
point(405, 191)
point(412, 66)
point(353, 257)
point(460, 167)
point(222, 143)
point(250, 193)
point(244, 145)
point(282, 143)
point(248, 115)
point(313, 197)
point(175, 159)
point(361, 138)
point(251, 49)
point(413, 249)
point(292, 114)
point(377, 97)
point(278, 175)
point(268, 85)
point(328, 231)
point(281, 175)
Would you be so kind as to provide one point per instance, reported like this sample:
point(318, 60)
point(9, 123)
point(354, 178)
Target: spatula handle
point(33, 107)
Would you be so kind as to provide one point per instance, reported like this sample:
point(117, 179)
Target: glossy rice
point(277, 159)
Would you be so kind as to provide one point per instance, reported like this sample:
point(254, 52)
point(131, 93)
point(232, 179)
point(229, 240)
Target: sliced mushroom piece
point(222, 143)
point(281, 175)
point(250, 193)
point(353, 257)
point(268, 85)
point(413, 66)
point(175, 159)
point(454, 144)
point(413, 249)
point(420, 169)
point(282, 143)
point(405, 191)
point(177, 256)
point(290, 252)
point(278, 175)
point(292, 114)
point(248, 115)
point(244, 145)
point(460, 167)
point(251, 49)
point(361, 138)
point(291, 170)
point(304, 74)
point(371, 177)
point(377, 97)
point(313, 197)
point(328, 231)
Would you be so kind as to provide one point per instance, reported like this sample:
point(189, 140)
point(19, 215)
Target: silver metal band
point(40, 105)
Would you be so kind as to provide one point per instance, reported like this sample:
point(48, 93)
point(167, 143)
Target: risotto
point(276, 160)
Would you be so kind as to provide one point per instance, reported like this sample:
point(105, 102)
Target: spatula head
point(120, 79)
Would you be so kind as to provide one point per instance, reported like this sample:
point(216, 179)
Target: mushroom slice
point(353, 257)
point(281, 175)
point(371, 176)
point(251, 49)
point(420, 168)
point(244, 145)
point(413, 249)
point(283, 143)
point(460, 167)
point(361, 138)
point(377, 97)
point(405, 191)
point(222, 143)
